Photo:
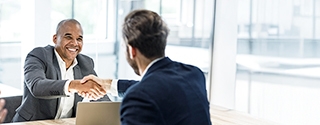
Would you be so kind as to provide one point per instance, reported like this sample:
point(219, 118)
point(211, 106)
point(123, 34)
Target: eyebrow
point(69, 34)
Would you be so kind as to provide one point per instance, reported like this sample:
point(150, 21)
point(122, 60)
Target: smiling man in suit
point(52, 76)
point(169, 93)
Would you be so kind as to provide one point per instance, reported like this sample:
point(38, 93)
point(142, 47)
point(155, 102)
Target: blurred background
point(277, 55)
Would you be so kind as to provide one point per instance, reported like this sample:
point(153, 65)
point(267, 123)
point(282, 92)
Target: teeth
point(73, 50)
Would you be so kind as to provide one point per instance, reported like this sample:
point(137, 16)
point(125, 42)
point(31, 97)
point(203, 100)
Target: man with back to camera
point(169, 92)
point(52, 76)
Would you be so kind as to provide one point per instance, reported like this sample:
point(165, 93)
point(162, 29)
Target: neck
point(68, 64)
point(142, 64)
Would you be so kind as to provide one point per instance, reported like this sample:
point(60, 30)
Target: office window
point(10, 36)
point(190, 23)
point(278, 60)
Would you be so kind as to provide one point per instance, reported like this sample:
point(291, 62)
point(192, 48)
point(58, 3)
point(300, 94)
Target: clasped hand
point(93, 87)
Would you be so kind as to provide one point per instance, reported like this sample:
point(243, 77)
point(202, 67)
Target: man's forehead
point(71, 28)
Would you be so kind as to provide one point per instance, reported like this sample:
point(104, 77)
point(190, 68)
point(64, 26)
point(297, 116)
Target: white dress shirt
point(114, 84)
point(66, 103)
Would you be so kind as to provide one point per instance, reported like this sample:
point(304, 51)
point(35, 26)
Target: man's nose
point(75, 42)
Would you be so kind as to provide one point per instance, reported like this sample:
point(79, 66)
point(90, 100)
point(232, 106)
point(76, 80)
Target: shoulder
point(42, 52)
point(187, 70)
point(167, 64)
point(176, 69)
point(85, 62)
point(84, 58)
point(189, 66)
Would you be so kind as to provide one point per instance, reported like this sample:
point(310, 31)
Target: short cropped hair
point(146, 31)
point(67, 20)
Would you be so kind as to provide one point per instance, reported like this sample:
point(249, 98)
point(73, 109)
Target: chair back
point(12, 103)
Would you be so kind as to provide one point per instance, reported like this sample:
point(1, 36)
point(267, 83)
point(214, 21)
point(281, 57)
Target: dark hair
point(146, 31)
point(62, 22)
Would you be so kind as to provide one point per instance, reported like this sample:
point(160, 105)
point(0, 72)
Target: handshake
point(90, 87)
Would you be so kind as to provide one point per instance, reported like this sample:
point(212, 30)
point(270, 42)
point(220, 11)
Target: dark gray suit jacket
point(43, 86)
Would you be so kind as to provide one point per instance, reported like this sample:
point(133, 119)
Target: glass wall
point(10, 36)
point(278, 60)
point(190, 23)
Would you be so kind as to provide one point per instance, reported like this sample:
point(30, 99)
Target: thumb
point(86, 78)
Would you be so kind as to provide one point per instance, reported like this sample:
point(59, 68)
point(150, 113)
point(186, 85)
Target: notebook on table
point(98, 113)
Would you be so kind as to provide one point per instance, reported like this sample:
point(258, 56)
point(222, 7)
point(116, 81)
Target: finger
point(101, 90)
point(98, 95)
point(3, 112)
point(94, 93)
point(3, 115)
point(94, 97)
point(95, 79)
point(91, 97)
point(86, 78)
point(96, 88)
point(2, 103)
point(82, 94)
point(87, 95)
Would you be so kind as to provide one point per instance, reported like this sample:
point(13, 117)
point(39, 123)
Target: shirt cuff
point(66, 86)
point(114, 87)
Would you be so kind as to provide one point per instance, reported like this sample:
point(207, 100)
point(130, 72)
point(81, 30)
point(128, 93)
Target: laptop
point(98, 113)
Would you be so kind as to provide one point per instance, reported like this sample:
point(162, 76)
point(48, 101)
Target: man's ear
point(132, 52)
point(54, 38)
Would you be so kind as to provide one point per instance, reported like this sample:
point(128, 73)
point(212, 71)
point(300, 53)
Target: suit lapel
point(57, 67)
point(77, 72)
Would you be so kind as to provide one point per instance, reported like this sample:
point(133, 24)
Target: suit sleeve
point(123, 85)
point(35, 77)
point(138, 108)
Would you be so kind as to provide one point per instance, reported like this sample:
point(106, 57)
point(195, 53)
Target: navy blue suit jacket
point(170, 93)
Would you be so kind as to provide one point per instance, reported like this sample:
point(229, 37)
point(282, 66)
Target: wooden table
point(223, 116)
point(219, 116)
point(66, 121)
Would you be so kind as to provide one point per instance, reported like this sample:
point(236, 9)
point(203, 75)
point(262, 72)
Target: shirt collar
point(62, 63)
point(149, 65)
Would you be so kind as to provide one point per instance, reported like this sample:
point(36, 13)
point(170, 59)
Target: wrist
point(73, 86)
point(107, 83)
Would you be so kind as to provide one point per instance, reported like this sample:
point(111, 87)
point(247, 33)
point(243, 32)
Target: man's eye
point(79, 39)
point(68, 37)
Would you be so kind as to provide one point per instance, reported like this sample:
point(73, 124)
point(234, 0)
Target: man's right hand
point(90, 88)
